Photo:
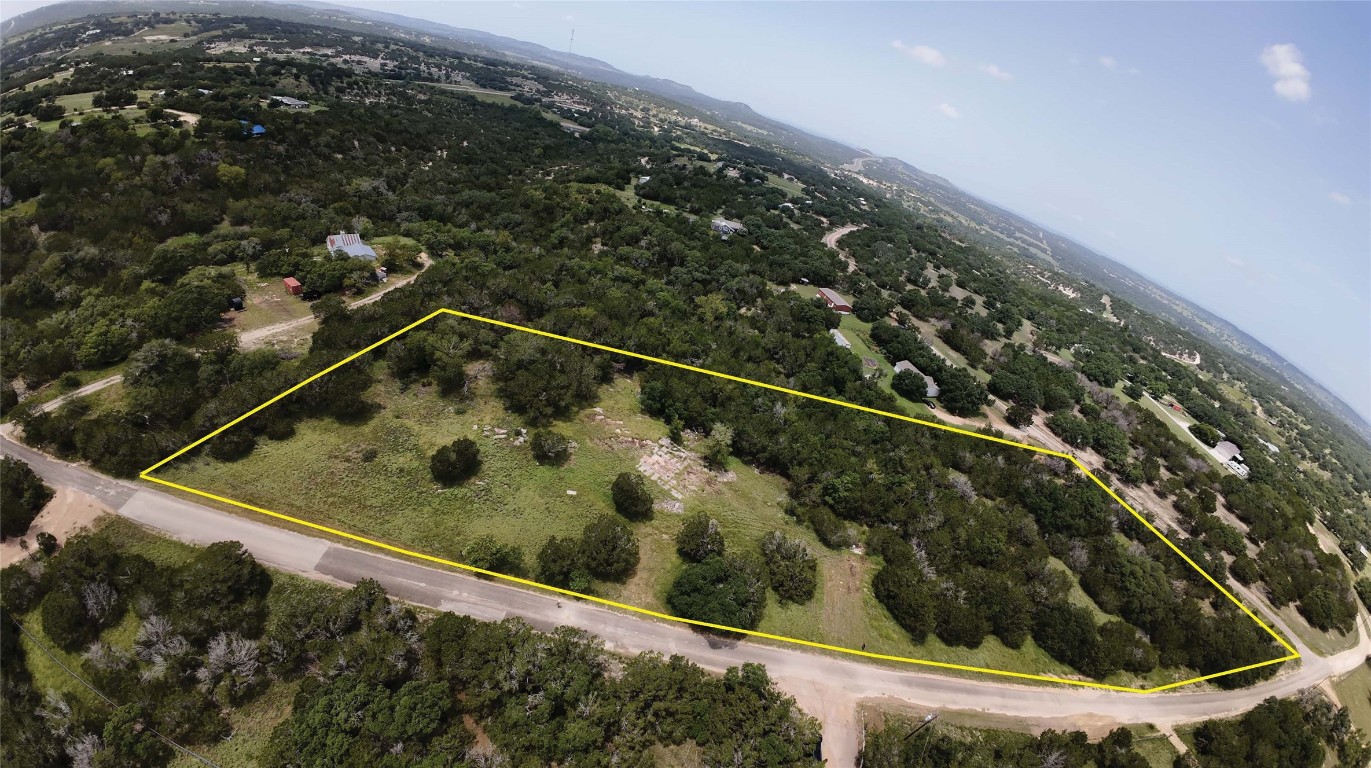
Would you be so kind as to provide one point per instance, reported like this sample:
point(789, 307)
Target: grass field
point(1354, 691)
point(1323, 643)
point(372, 478)
point(267, 302)
point(1180, 431)
point(791, 188)
point(138, 42)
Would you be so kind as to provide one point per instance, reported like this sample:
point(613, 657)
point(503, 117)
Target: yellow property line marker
point(147, 475)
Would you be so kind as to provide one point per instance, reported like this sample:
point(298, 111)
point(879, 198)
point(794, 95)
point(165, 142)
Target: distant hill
point(1026, 236)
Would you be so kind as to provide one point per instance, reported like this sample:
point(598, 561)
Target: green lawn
point(791, 188)
point(1153, 745)
point(1180, 431)
point(1354, 691)
point(1322, 643)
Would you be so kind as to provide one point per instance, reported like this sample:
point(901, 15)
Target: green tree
point(549, 447)
point(456, 462)
point(128, 740)
point(728, 591)
point(544, 379)
point(559, 564)
point(1019, 415)
point(718, 446)
point(632, 499)
point(609, 549)
point(22, 496)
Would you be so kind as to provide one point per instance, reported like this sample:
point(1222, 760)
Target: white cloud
point(569, 17)
point(1339, 198)
point(949, 110)
point(1285, 63)
point(1108, 62)
point(921, 53)
point(996, 72)
point(1078, 217)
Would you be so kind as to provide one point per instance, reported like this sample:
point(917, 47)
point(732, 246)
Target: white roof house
point(1226, 450)
point(726, 226)
point(840, 338)
point(930, 386)
point(290, 102)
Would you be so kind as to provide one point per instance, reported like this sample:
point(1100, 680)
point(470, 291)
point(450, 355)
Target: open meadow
point(372, 477)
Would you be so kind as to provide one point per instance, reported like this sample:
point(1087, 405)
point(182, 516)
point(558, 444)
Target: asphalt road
point(829, 687)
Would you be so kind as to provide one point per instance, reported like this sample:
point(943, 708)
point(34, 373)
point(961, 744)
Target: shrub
point(792, 568)
point(632, 499)
point(559, 563)
point(488, 554)
point(457, 462)
point(700, 538)
point(833, 532)
point(549, 447)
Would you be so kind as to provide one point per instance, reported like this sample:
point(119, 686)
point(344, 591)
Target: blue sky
point(1223, 150)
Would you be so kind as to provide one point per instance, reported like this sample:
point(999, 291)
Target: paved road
point(831, 240)
point(827, 686)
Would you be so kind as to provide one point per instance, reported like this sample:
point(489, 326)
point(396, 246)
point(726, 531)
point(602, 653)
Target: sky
point(1223, 150)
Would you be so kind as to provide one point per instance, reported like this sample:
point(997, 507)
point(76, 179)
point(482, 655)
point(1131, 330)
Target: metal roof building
point(351, 244)
point(931, 386)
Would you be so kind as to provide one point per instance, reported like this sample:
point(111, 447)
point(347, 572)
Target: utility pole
point(573, 40)
point(928, 720)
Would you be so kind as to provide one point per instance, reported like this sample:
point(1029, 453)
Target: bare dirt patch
point(68, 512)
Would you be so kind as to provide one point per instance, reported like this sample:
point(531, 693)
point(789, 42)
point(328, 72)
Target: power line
point(105, 698)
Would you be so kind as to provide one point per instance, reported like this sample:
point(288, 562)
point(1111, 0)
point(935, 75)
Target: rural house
point(931, 386)
point(351, 244)
point(727, 226)
point(835, 302)
point(290, 102)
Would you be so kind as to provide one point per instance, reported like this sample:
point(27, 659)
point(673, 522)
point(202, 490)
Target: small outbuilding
point(835, 301)
point(840, 339)
point(293, 286)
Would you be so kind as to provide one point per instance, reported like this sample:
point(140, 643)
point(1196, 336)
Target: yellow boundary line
point(147, 475)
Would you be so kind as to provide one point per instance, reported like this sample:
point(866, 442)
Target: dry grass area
point(68, 512)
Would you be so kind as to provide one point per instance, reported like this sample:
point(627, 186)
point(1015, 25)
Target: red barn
point(834, 301)
point(293, 286)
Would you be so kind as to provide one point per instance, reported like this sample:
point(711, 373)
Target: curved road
point(829, 687)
